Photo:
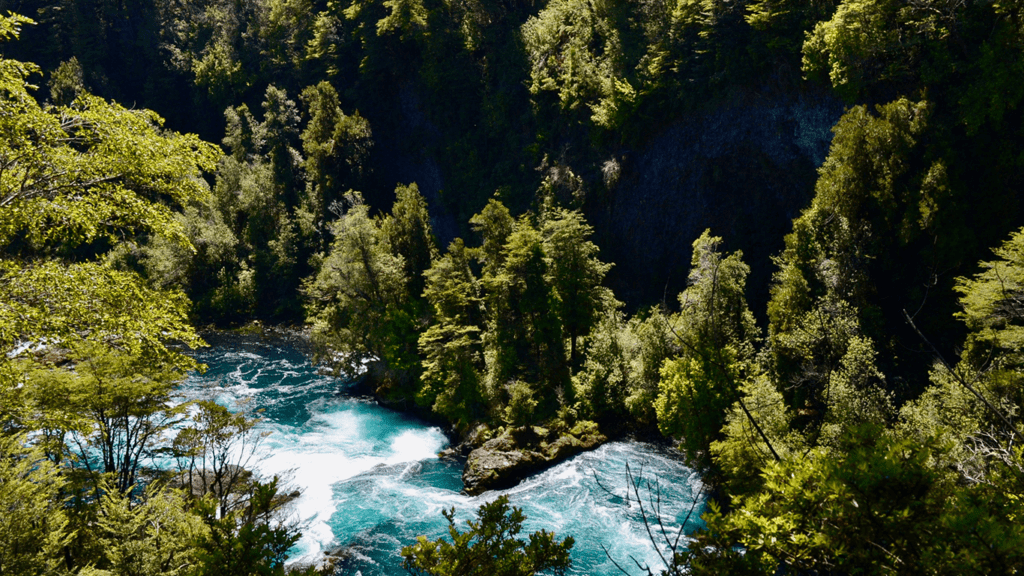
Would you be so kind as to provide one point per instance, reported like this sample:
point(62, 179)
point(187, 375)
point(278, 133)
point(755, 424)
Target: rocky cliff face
point(744, 170)
point(403, 137)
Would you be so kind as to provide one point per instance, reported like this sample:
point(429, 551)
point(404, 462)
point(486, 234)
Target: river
point(371, 480)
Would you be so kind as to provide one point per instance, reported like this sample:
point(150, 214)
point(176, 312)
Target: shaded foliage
point(490, 546)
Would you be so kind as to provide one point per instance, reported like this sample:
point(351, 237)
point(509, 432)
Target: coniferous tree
point(494, 224)
point(335, 147)
point(452, 347)
point(716, 333)
point(359, 290)
point(575, 274)
point(411, 235)
point(524, 334)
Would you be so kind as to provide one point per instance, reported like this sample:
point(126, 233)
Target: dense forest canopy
point(850, 385)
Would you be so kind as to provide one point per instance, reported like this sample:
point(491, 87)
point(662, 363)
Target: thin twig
point(1009, 426)
point(739, 397)
point(612, 560)
point(675, 545)
point(603, 488)
point(643, 514)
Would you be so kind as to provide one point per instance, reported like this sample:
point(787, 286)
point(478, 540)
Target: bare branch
point(960, 380)
point(612, 560)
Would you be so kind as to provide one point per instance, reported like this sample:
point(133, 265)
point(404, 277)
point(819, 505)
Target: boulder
point(514, 455)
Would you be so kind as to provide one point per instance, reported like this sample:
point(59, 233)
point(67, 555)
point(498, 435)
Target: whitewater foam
point(371, 481)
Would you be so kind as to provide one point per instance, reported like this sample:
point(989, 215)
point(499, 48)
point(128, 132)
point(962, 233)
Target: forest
point(786, 236)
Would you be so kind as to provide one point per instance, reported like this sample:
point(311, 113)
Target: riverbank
point(371, 481)
point(495, 458)
point(492, 457)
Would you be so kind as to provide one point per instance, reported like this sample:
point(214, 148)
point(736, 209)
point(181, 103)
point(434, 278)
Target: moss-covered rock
point(508, 458)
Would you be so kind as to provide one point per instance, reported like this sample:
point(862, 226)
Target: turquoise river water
point(371, 480)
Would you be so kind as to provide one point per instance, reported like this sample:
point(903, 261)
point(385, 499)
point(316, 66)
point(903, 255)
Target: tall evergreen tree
point(358, 297)
point(411, 236)
point(575, 274)
point(524, 333)
point(716, 334)
point(452, 346)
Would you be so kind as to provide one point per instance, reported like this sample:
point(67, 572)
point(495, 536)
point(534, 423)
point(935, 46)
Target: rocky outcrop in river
point(505, 460)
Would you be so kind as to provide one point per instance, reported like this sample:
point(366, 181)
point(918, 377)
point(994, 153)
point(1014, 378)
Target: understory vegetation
point(864, 418)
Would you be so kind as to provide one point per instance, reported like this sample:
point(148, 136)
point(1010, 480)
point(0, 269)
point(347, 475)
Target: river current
point(372, 482)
